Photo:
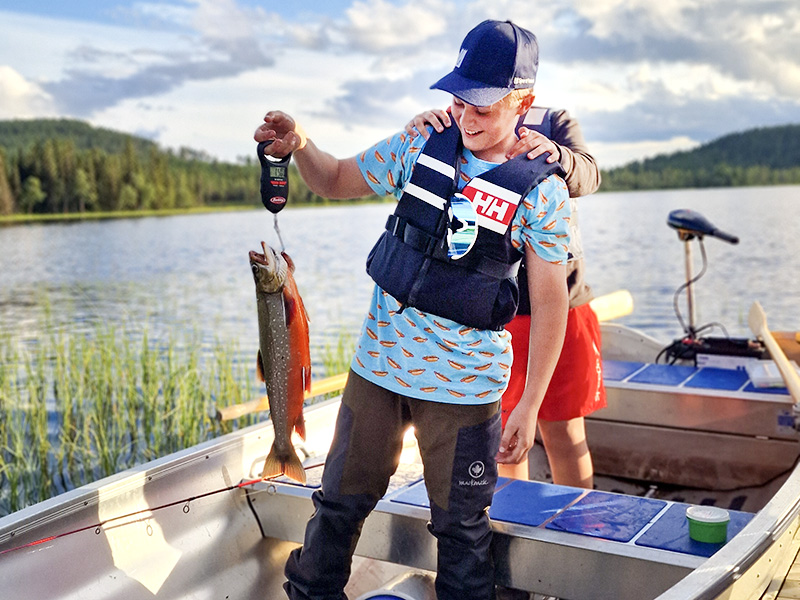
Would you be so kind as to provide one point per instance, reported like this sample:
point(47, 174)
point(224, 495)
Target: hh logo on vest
point(494, 205)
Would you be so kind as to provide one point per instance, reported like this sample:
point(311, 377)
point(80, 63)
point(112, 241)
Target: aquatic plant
point(76, 408)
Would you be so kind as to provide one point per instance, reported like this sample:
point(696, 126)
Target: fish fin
point(303, 311)
point(289, 465)
point(300, 426)
point(273, 466)
point(289, 306)
point(289, 261)
point(307, 379)
point(293, 468)
point(260, 368)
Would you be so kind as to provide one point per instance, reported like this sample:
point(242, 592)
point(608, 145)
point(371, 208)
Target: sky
point(642, 77)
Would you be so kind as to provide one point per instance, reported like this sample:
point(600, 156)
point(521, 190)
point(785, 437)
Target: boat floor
point(371, 574)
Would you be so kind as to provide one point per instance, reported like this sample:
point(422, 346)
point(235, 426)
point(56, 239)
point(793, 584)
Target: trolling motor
point(691, 225)
point(274, 183)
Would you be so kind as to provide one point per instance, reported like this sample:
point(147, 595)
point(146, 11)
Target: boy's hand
point(535, 144)
point(286, 133)
point(518, 436)
point(436, 117)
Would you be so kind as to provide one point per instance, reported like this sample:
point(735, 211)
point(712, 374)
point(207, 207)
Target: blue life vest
point(410, 259)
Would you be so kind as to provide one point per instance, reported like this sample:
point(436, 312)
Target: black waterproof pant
point(457, 443)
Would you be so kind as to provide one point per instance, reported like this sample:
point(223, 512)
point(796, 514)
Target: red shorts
point(576, 388)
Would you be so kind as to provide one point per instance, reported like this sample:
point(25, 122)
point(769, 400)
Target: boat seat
point(613, 517)
point(709, 378)
point(541, 531)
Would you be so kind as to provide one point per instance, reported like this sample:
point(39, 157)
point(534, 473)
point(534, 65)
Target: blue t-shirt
point(425, 356)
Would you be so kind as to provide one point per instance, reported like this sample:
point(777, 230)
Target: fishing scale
point(274, 183)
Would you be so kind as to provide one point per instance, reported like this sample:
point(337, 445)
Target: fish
point(284, 356)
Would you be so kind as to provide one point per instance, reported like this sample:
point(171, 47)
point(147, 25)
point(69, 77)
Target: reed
point(76, 408)
point(336, 358)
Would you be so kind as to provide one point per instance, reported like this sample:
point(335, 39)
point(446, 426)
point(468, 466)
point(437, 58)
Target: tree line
point(66, 166)
point(52, 167)
point(763, 156)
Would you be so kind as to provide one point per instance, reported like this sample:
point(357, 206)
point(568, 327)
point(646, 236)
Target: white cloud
point(377, 26)
point(640, 76)
point(610, 155)
point(22, 99)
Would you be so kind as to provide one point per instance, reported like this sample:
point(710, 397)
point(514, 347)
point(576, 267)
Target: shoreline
point(26, 219)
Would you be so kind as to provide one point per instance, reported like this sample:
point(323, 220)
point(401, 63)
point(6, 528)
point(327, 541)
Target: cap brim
point(471, 92)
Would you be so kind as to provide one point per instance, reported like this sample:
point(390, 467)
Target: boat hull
point(194, 525)
point(703, 427)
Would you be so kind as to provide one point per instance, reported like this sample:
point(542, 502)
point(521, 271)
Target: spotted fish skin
point(284, 357)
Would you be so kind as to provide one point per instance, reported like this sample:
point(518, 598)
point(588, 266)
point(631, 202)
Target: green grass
point(82, 404)
point(74, 409)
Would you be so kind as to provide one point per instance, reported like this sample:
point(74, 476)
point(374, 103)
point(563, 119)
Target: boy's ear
point(526, 104)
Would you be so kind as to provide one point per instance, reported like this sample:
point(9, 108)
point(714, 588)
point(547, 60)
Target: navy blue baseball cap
point(495, 58)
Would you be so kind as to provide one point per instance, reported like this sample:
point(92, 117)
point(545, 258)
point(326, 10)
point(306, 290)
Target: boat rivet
point(149, 530)
point(97, 531)
point(272, 490)
point(186, 508)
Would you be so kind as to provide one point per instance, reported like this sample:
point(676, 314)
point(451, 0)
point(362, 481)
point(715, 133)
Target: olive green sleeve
point(582, 172)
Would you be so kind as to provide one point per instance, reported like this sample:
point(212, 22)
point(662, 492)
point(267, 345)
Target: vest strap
point(413, 236)
point(424, 242)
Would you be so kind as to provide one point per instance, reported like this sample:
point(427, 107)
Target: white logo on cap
point(461, 56)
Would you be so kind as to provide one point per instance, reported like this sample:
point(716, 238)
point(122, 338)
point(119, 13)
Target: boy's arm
point(566, 146)
point(582, 172)
point(325, 175)
point(547, 286)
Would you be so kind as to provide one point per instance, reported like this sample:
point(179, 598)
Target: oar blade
point(757, 319)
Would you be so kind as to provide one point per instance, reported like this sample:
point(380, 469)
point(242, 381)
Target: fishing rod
point(274, 184)
point(98, 527)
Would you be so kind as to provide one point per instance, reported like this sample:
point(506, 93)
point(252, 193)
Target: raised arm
point(325, 175)
point(566, 145)
point(582, 172)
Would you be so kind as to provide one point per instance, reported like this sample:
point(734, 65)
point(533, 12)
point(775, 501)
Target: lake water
point(191, 273)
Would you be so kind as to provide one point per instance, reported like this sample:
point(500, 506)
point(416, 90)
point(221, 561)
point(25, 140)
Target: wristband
point(301, 134)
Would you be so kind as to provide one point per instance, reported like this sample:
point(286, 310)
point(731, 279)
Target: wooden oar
point(607, 307)
point(323, 386)
point(613, 305)
point(757, 319)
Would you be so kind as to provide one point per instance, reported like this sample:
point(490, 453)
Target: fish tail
point(273, 466)
point(293, 468)
point(288, 465)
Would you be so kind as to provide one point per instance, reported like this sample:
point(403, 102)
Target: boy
point(576, 387)
point(433, 352)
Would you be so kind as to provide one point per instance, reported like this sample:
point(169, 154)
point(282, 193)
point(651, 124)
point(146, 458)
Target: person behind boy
point(432, 351)
point(576, 388)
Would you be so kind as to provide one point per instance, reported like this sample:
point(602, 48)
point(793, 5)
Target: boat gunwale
point(720, 571)
point(706, 581)
point(53, 509)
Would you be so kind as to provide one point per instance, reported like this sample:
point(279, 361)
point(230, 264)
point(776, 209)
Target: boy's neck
point(497, 153)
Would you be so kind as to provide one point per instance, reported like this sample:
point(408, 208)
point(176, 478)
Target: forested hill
point(764, 156)
point(22, 135)
point(50, 166)
point(64, 166)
